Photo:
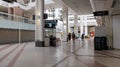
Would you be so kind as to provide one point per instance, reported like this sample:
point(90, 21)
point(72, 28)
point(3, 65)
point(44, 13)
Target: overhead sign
point(101, 13)
point(10, 1)
point(50, 23)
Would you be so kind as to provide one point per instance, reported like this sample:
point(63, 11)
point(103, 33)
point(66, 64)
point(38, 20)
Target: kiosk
point(50, 32)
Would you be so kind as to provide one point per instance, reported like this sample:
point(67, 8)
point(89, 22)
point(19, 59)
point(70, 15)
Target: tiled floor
point(80, 54)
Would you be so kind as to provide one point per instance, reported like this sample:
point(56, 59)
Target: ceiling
point(79, 6)
point(116, 7)
point(75, 6)
point(27, 1)
point(100, 5)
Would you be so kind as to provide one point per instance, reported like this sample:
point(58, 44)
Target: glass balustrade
point(16, 29)
point(13, 21)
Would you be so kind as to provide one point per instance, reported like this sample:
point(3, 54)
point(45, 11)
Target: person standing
point(69, 38)
point(73, 37)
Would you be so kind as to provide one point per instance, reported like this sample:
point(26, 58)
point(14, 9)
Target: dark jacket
point(73, 36)
point(69, 36)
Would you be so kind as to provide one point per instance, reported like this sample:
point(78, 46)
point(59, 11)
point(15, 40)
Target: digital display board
point(50, 23)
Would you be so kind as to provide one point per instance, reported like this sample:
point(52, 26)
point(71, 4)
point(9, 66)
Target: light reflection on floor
point(80, 54)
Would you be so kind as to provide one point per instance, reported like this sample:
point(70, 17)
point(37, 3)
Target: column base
point(39, 44)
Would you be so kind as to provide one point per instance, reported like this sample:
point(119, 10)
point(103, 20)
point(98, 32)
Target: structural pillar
point(30, 1)
point(81, 26)
point(76, 25)
point(65, 22)
point(86, 30)
point(109, 33)
point(39, 22)
point(81, 29)
point(86, 26)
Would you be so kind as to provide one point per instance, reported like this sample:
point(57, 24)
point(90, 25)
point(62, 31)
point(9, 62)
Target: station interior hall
point(59, 33)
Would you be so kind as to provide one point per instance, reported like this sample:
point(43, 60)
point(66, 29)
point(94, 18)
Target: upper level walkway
point(80, 54)
point(9, 21)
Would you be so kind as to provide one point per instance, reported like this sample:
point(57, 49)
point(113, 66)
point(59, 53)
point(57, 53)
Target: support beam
point(76, 25)
point(65, 22)
point(39, 32)
point(109, 29)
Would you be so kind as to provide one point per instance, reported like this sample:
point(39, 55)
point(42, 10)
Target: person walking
point(73, 37)
point(82, 37)
point(69, 38)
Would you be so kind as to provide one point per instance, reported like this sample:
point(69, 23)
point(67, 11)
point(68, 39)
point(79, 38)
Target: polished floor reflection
point(80, 54)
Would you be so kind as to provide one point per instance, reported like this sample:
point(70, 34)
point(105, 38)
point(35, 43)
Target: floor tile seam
point(66, 50)
point(95, 56)
point(59, 62)
point(89, 64)
point(2, 53)
point(81, 47)
point(77, 49)
point(74, 50)
point(96, 61)
point(107, 54)
point(111, 53)
point(5, 47)
point(10, 52)
point(82, 62)
point(91, 55)
point(70, 51)
point(12, 62)
point(83, 43)
point(55, 65)
point(103, 53)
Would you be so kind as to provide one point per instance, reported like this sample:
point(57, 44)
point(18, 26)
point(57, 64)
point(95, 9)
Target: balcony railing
point(92, 23)
point(16, 22)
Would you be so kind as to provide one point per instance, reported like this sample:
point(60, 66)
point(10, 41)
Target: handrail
point(16, 22)
point(15, 16)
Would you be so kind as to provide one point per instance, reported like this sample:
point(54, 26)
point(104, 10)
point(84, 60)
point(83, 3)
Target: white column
point(86, 27)
point(30, 1)
point(76, 25)
point(39, 32)
point(109, 31)
point(86, 30)
point(81, 29)
point(65, 22)
point(81, 26)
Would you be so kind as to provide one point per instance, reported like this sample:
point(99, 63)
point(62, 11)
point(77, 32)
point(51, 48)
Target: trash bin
point(52, 41)
point(97, 43)
point(104, 43)
point(100, 43)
